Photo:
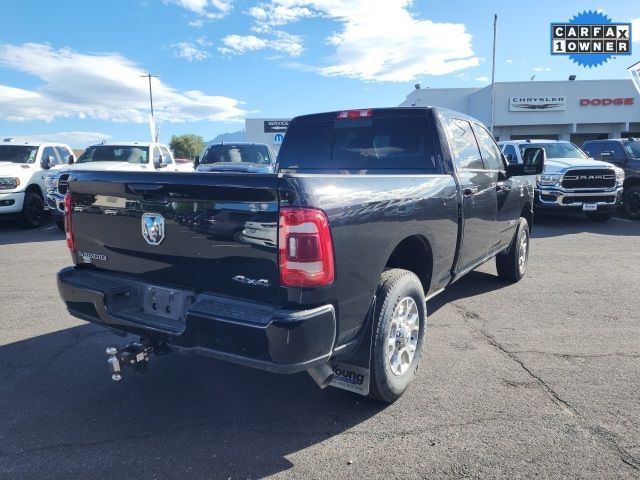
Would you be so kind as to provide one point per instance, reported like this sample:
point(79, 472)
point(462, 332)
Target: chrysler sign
point(542, 103)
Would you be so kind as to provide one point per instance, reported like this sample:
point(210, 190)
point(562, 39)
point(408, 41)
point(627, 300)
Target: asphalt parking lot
point(539, 379)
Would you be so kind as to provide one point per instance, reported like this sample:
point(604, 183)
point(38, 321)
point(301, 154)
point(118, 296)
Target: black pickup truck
point(321, 267)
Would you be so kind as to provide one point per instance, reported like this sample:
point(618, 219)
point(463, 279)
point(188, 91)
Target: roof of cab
point(129, 144)
point(34, 144)
point(387, 112)
point(531, 140)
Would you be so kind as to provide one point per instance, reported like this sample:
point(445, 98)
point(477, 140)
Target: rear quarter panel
point(369, 216)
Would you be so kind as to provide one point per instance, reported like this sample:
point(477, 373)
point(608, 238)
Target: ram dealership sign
point(542, 103)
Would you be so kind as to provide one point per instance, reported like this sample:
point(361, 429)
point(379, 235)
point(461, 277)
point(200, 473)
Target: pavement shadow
point(64, 418)
point(12, 233)
point(555, 225)
point(472, 284)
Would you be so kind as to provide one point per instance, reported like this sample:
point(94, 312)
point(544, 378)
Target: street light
point(152, 122)
point(149, 76)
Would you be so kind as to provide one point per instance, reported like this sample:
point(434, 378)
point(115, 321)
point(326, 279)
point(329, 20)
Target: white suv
point(23, 168)
point(119, 156)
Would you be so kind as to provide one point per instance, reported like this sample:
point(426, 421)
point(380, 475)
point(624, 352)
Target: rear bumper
point(563, 200)
point(237, 331)
point(11, 202)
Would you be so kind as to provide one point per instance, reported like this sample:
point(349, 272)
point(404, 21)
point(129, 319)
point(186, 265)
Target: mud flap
point(350, 377)
point(355, 375)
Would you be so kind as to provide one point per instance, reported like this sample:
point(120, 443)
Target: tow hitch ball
point(135, 355)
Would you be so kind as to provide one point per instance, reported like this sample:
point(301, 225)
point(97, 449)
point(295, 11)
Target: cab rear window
point(359, 144)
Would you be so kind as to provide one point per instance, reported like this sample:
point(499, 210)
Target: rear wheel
point(599, 216)
point(32, 213)
point(631, 202)
point(512, 265)
point(399, 324)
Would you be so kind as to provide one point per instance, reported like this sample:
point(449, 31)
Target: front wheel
point(631, 202)
point(399, 324)
point(512, 265)
point(32, 213)
point(599, 216)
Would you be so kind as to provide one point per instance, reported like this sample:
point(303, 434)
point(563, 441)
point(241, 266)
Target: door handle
point(470, 192)
point(502, 187)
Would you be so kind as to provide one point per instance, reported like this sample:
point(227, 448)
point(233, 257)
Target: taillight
point(67, 222)
point(305, 248)
point(366, 113)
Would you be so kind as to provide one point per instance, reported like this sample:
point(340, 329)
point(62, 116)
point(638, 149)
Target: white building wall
point(575, 120)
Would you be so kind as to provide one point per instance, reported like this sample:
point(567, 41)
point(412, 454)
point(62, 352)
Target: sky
point(70, 71)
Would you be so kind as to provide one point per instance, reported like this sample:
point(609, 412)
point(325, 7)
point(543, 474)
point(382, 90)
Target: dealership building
point(577, 110)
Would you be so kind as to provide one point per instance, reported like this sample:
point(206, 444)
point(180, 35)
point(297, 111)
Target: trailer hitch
point(135, 355)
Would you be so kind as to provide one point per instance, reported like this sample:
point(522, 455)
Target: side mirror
point(196, 162)
point(46, 162)
point(533, 159)
point(70, 160)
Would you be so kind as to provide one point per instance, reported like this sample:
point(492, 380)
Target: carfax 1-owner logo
point(590, 39)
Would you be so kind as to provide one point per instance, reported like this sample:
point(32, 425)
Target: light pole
point(493, 73)
point(152, 123)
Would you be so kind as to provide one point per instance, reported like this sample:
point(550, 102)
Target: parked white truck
point(111, 156)
point(23, 168)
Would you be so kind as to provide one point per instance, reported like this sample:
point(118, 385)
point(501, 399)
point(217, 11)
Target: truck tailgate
point(209, 232)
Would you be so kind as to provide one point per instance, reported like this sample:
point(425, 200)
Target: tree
point(186, 146)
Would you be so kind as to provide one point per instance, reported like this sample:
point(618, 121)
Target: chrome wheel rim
point(403, 335)
point(524, 246)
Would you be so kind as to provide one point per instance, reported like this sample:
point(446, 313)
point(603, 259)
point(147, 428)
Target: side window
point(464, 148)
point(593, 149)
point(617, 152)
point(156, 155)
point(511, 151)
point(50, 152)
point(63, 153)
point(165, 154)
point(491, 155)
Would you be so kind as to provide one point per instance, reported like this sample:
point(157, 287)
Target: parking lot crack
point(470, 316)
point(579, 355)
point(598, 432)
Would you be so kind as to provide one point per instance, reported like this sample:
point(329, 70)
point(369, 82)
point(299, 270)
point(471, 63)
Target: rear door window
point(359, 144)
point(166, 155)
point(491, 155)
point(464, 147)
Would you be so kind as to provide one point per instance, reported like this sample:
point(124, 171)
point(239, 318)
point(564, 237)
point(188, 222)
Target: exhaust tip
point(321, 374)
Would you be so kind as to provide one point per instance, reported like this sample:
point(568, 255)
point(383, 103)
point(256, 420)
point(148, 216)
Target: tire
point(32, 214)
point(512, 265)
point(599, 216)
point(393, 365)
point(60, 225)
point(631, 202)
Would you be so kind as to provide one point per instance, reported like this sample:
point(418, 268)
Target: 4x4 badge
point(153, 228)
